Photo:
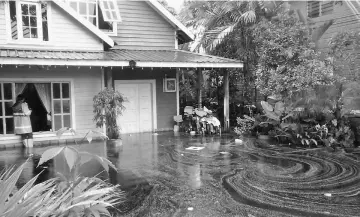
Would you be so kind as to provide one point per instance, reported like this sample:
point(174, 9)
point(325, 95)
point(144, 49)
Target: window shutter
point(110, 10)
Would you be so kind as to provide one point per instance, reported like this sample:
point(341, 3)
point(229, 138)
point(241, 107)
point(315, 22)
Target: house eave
point(113, 63)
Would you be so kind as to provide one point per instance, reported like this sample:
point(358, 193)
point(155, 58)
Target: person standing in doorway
point(22, 121)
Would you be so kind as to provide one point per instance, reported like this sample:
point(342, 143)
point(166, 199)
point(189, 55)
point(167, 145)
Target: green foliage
point(85, 197)
point(244, 126)
point(214, 20)
point(288, 62)
point(343, 49)
point(108, 105)
point(69, 195)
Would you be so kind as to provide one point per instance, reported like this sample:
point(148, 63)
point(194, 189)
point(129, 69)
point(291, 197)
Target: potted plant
point(108, 104)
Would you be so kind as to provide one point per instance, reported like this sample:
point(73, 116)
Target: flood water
point(160, 177)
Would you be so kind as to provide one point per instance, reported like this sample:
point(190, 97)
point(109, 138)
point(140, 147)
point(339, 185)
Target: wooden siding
point(87, 83)
point(64, 32)
point(2, 24)
point(166, 102)
point(344, 20)
point(143, 28)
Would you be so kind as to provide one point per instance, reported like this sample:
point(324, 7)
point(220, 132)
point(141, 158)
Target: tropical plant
point(70, 194)
point(217, 19)
point(244, 126)
point(108, 105)
point(85, 197)
point(288, 62)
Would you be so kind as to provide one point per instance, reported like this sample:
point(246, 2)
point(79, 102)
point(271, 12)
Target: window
point(102, 13)
point(28, 21)
point(320, 8)
point(61, 105)
point(50, 103)
point(6, 114)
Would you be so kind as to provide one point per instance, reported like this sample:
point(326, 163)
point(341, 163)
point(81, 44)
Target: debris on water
point(182, 154)
point(155, 134)
point(239, 141)
point(327, 194)
point(224, 152)
point(190, 208)
point(193, 148)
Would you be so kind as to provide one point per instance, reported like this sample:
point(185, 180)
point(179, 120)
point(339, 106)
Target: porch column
point(108, 77)
point(226, 101)
point(199, 84)
point(177, 92)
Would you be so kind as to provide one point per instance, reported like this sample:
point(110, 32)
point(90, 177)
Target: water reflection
point(160, 177)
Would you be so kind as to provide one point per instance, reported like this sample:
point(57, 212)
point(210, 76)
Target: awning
point(116, 58)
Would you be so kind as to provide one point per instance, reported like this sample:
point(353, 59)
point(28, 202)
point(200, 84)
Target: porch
point(86, 73)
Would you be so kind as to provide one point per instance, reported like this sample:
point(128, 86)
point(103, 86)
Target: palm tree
point(214, 20)
point(227, 23)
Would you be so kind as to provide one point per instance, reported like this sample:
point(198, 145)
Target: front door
point(138, 114)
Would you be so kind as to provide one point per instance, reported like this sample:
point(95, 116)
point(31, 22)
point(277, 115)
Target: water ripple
point(308, 184)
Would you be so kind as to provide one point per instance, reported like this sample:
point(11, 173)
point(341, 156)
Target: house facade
point(334, 16)
point(60, 54)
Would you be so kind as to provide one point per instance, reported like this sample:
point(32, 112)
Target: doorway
point(140, 108)
point(36, 95)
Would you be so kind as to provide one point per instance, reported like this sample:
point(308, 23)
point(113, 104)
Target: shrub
point(108, 105)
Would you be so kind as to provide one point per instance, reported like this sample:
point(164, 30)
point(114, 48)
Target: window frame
point(50, 81)
point(21, 39)
point(98, 4)
point(20, 26)
point(2, 104)
point(61, 99)
point(321, 3)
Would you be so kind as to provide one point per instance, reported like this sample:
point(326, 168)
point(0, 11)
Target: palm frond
point(223, 32)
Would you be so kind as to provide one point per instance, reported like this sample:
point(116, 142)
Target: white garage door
point(138, 115)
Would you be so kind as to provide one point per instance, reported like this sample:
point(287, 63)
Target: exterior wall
point(2, 24)
point(143, 28)
point(64, 33)
point(86, 82)
point(344, 20)
point(166, 102)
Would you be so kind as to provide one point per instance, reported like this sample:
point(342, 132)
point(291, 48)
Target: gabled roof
point(182, 30)
point(85, 23)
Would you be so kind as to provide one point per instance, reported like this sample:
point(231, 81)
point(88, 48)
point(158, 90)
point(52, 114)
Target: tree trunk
point(199, 84)
point(226, 101)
